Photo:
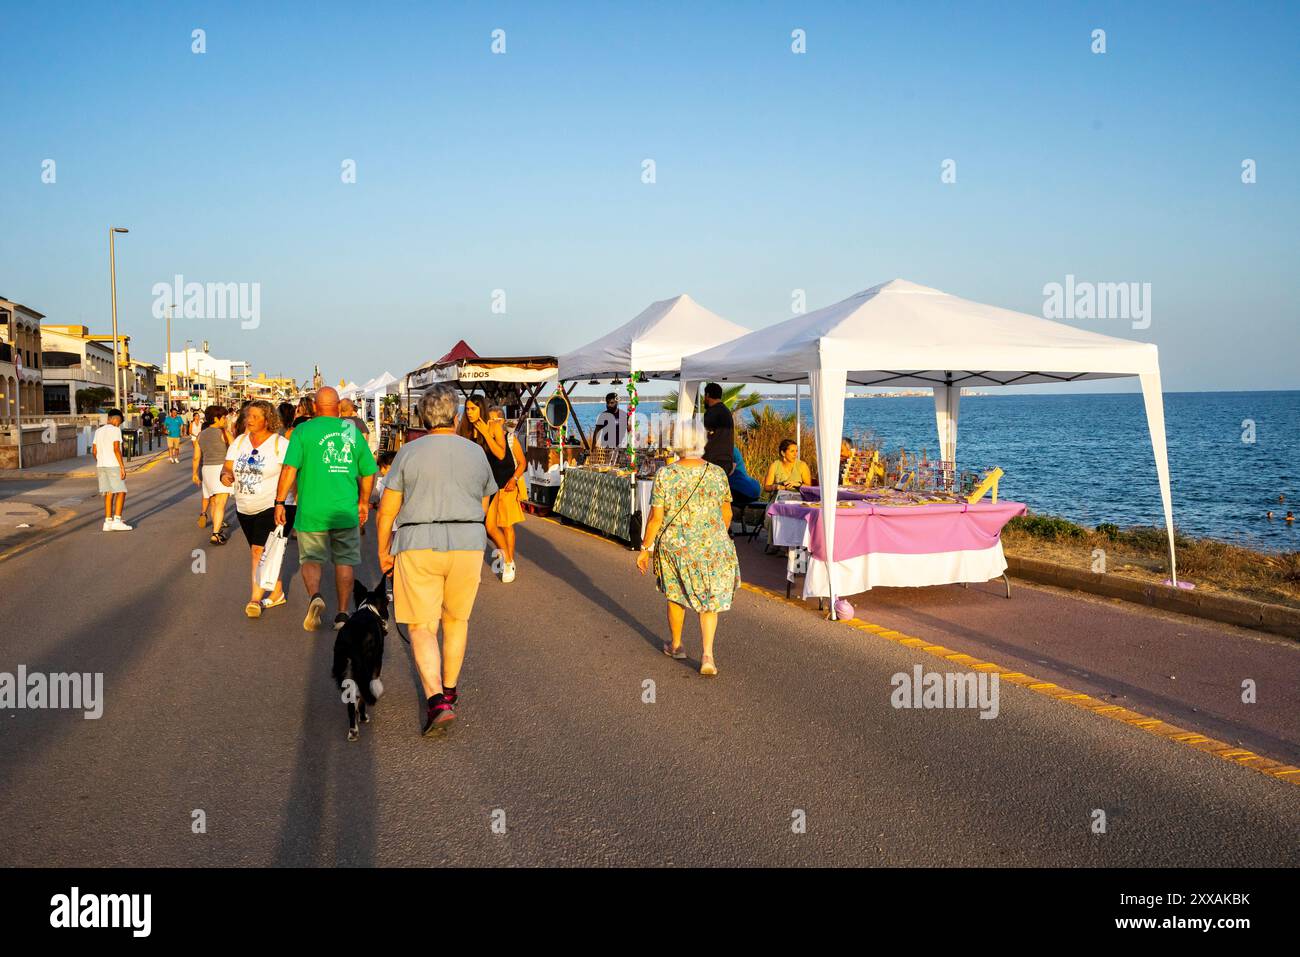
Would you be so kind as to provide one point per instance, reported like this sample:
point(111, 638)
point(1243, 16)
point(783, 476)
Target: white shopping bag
point(268, 569)
point(796, 563)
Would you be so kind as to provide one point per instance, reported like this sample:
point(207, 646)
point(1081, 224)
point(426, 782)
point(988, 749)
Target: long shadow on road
point(1137, 697)
point(574, 580)
point(329, 771)
point(161, 498)
point(32, 734)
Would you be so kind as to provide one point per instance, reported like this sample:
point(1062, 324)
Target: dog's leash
point(388, 578)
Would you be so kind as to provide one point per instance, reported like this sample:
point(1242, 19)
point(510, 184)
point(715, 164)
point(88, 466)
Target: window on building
point(56, 400)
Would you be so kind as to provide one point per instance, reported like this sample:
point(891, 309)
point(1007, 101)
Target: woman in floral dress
point(688, 544)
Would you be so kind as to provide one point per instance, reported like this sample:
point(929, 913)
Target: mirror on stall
point(556, 411)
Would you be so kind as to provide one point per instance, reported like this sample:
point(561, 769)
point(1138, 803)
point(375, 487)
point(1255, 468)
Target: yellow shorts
point(429, 584)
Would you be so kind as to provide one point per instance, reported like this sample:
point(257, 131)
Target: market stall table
point(897, 546)
point(603, 500)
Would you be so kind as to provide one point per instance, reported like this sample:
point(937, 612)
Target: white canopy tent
point(901, 334)
point(384, 384)
point(653, 343)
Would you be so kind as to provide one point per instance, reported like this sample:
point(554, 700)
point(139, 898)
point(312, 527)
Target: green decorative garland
point(631, 418)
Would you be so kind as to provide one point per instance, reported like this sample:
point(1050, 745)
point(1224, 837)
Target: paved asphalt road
point(206, 710)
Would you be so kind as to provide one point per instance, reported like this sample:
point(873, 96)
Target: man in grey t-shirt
point(431, 537)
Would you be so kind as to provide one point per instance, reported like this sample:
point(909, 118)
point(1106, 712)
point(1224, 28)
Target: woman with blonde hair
point(688, 543)
point(252, 470)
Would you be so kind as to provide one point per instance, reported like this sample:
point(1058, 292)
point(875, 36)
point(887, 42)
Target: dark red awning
point(460, 350)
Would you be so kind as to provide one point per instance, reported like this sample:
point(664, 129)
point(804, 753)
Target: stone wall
point(36, 450)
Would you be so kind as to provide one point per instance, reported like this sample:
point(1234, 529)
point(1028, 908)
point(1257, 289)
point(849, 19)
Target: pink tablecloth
point(866, 529)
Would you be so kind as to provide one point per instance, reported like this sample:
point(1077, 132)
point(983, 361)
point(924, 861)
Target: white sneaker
point(119, 525)
point(507, 573)
point(108, 525)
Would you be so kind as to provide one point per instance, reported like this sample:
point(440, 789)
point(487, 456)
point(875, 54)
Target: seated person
point(744, 487)
point(788, 472)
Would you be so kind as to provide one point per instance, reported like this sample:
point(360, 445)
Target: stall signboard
point(487, 370)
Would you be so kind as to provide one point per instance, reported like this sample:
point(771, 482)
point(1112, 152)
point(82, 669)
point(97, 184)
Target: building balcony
point(80, 375)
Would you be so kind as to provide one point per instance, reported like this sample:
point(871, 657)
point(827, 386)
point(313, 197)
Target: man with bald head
point(348, 413)
point(333, 468)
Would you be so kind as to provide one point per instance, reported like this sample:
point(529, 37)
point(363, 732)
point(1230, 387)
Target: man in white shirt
point(610, 431)
point(110, 467)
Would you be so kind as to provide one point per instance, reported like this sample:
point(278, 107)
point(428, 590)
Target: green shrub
point(1047, 527)
point(1150, 538)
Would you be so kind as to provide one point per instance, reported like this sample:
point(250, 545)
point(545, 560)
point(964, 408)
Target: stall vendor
point(788, 472)
point(610, 430)
point(721, 429)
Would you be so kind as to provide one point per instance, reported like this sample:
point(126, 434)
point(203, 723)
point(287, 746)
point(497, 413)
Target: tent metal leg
point(1007, 581)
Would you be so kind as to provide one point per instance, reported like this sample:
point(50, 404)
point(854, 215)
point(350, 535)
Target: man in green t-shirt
point(333, 468)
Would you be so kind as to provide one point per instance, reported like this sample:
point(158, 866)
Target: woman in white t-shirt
point(252, 470)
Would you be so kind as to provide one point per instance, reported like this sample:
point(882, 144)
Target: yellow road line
point(158, 457)
point(1154, 726)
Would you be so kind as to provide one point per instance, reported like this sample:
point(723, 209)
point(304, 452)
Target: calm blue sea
point(1088, 457)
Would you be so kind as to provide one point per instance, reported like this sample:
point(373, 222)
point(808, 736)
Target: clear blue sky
point(775, 171)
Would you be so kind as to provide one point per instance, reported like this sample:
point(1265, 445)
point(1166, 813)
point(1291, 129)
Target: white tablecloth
point(882, 569)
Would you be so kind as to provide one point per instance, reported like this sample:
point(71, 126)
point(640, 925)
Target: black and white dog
point(359, 653)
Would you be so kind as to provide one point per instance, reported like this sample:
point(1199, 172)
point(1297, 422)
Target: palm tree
point(768, 417)
point(733, 397)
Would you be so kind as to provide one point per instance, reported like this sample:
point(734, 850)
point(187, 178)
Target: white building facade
point(73, 361)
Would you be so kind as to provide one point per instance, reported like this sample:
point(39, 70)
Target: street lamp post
point(171, 383)
point(188, 387)
point(112, 274)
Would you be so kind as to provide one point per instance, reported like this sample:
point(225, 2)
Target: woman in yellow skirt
point(504, 511)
